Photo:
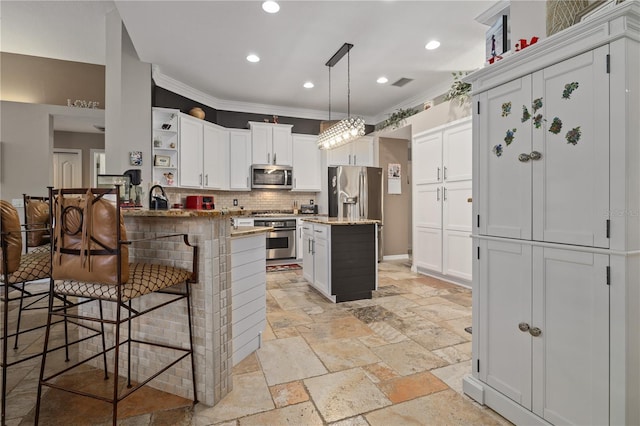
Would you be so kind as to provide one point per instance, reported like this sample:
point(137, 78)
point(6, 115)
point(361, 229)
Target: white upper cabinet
point(427, 152)
point(216, 158)
point(271, 143)
point(306, 163)
point(239, 160)
point(204, 154)
point(191, 145)
point(357, 153)
point(544, 154)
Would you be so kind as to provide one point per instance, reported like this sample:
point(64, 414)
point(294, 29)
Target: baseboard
point(453, 280)
point(396, 257)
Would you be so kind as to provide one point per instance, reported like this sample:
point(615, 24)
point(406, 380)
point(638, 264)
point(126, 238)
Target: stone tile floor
point(396, 359)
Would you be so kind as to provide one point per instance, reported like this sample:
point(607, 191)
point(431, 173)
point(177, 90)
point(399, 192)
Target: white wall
point(528, 19)
point(128, 102)
point(26, 132)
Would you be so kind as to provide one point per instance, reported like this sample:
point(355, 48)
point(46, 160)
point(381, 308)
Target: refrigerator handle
point(363, 195)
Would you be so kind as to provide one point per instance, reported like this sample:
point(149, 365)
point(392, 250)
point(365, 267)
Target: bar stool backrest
point(88, 228)
point(36, 216)
point(11, 238)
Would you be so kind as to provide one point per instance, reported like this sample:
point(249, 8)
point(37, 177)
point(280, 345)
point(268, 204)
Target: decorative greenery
point(397, 118)
point(459, 89)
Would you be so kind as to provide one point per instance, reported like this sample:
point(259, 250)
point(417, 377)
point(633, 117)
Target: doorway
point(67, 168)
point(98, 165)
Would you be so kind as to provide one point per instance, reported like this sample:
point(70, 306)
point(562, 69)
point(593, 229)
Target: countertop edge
point(243, 231)
point(336, 221)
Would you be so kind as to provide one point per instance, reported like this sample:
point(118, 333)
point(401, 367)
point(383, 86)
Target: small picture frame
point(135, 158)
point(161, 160)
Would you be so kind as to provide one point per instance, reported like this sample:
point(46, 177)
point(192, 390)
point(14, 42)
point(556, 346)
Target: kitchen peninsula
point(212, 295)
point(340, 257)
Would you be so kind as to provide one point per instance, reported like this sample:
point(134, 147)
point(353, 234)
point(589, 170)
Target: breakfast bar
point(212, 304)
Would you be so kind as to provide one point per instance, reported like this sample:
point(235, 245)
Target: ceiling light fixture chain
point(348, 129)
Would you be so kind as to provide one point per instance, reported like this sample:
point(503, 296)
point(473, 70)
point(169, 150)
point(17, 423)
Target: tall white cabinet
point(556, 229)
point(442, 201)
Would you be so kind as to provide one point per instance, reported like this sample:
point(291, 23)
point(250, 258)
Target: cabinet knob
point(523, 326)
point(524, 157)
point(535, 155)
point(535, 332)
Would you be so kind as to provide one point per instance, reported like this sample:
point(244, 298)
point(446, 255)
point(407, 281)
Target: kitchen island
point(212, 296)
point(340, 257)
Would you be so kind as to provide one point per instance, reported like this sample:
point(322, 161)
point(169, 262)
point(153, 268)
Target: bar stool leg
point(15, 343)
point(44, 352)
point(5, 336)
point(193, 361)
point(129, 347)
point(116, 362)
point(104, 344)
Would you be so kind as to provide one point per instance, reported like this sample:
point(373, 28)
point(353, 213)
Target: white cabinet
point(539, 184)
point(545, 324)
point(271, 143)
point(442, 194)
point(357, 153)
point(316, 257)
point(164, 146)
point(204, 158)
point(306, 163)
point(239, 160)
point(556, 240)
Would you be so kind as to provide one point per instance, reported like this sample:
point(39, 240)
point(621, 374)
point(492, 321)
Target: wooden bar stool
point(90, 263)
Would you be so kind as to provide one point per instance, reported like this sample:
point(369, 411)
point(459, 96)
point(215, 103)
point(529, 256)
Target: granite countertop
point(182, 212)
point(342, 221)
point(243, 231)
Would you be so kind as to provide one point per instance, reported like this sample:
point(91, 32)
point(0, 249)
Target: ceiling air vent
point(401, 82)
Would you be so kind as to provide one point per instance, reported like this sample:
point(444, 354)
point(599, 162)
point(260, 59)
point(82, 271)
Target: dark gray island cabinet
point(340, 257)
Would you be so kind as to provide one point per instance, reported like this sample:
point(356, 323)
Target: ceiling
point(203, 45)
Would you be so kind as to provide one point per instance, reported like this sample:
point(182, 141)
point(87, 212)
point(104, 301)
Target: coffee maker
point(135, 190)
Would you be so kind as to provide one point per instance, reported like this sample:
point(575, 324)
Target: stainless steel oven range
point(281, 242)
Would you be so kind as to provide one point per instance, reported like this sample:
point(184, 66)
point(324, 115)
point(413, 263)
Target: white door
point(505, 305)
point(427, 158)
point(306, 163)
point(428, 248)
point(67, 168)
point(191, 138)
point(456, 153)
point(321, 265)
point(457, 250)
point(239, 159)
point(362, 150)
point(505, 181)
point(307, 253)
point(571, 179)
point(281, 147)
point(215, 157)
point(261, 144)
point(571, 355)
point(98, 165)
point(340, 156)
point(428, 206)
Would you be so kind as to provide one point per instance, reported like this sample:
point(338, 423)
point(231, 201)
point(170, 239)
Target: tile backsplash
point(263, 199)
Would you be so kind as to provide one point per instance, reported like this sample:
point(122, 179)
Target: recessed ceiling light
point(270, 6)
point(382, 80)
point(308, 85)
point(433, 44)
point(253, 58)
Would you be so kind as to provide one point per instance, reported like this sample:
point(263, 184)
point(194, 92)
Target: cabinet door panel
point(282, 154)
point(428, 206)
point(456, 208)
point(456, 249)
point(190, 153)
point(307, 162)
point(571, 356)
point(505, 182)
point(571, 181)
point(340, 156)
point(307, 253)
point(239, 159)
point(362, 150)
point(261, 144)
point(215, 158)
point(505, 302)
point(456, 152)
point(428, 245)
point(427, 158)
point(321, 266)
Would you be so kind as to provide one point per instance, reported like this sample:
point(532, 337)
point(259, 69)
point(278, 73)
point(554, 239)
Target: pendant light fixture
point(348, 129)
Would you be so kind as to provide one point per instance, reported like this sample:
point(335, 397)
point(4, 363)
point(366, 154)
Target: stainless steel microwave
point(271, 177)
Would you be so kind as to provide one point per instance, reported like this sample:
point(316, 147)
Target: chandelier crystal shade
point(343, 132)
point(347, 129)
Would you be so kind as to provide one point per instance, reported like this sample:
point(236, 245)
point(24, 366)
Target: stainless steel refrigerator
point(355, 192)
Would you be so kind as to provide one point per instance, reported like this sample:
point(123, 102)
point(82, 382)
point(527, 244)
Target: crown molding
point(185, 90)
point(489, 16)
